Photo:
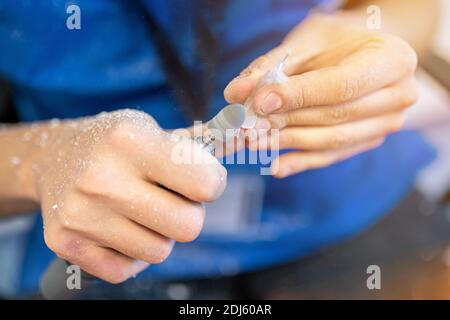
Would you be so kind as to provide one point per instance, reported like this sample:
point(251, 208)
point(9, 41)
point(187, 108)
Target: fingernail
point(271, 103)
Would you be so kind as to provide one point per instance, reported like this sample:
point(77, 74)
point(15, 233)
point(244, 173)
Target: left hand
point(346, 91)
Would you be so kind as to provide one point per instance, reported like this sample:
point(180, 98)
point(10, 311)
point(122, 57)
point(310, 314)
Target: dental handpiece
point(225, 125)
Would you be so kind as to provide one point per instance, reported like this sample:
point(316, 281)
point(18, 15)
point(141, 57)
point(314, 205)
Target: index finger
point(365, 71)
point(178, 163)
point(188, 169)
point(241, 87)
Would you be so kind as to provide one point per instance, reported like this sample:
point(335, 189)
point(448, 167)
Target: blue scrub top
point(111, 63)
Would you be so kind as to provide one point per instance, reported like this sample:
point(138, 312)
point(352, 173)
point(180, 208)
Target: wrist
point(42, 150)
point(26, 178)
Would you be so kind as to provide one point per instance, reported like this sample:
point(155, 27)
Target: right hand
point(112, 199)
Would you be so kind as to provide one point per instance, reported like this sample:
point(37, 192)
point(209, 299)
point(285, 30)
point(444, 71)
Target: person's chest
point(112, 55)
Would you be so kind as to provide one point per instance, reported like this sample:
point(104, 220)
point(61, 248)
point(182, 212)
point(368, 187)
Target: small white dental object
point(225, 125)
point(275, 75)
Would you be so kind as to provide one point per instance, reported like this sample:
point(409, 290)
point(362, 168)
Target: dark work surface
point(411, 245)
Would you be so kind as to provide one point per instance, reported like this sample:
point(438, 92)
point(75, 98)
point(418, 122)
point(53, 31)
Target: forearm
point(20, 148)
point(413, 20)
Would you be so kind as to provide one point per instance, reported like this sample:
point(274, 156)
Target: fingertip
point(138, 266)
point(286, 171)
point(282, 167)
point(275, 168)
point(239, 89)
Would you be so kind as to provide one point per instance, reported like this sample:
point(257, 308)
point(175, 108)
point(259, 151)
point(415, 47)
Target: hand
point(346, 91)
point(113, 200)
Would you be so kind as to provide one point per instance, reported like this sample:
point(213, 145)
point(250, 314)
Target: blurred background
point(412, 244)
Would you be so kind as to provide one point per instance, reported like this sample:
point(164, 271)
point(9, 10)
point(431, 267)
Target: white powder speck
point(43, 139)
point(15, 161)
point(27, 136)
point(54, 122)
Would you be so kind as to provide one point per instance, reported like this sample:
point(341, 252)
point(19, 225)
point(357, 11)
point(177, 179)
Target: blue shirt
point(111, 63)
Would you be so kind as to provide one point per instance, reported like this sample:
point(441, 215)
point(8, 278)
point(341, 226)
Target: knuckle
point(122, 133)
point(132, 116)
point(98, 178)
point(300, 97)
point(336, 114)
point(348, 90)
point(339, 139)
point(127, 124)
point(63, 247)
point(72, 248)
point(288, 118)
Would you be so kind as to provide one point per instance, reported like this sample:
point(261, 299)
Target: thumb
point(241, 87)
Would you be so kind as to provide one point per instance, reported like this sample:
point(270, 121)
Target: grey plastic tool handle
point(53, 285)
